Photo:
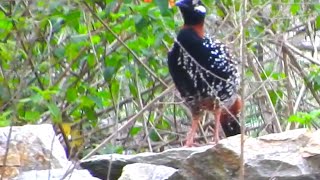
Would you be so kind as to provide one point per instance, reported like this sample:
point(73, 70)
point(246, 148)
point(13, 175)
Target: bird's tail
point(230, 119)
point(230, 126)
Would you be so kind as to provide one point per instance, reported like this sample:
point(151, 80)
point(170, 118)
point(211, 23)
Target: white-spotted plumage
point(211, 74)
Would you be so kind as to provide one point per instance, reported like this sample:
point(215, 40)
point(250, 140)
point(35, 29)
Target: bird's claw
point(192, 145)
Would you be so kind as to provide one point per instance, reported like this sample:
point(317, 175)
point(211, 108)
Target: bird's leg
point(193, 130)
point(217, 115)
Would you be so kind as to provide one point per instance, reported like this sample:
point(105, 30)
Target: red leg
point(217, 115)
point(192, 131)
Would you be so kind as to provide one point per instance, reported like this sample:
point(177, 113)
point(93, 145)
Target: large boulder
point(28, 148)
point(276, 156)
point(289, 155)
point(34, 152)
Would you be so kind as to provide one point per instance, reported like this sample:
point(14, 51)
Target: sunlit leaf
point(317, 22)
point(5, 118)
point(295, 7)
point(71, 94)
point(32, 116)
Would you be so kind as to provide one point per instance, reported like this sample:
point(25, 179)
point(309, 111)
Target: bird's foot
point(190, 143)
point(212, 143)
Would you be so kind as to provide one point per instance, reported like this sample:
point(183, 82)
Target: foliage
point(305, 118)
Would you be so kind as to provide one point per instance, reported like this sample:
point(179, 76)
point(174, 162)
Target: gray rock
point(141, 171)
point(55, 174)
point(99, 165)
point(290, 155)
point(272, 156)
point(31, 147)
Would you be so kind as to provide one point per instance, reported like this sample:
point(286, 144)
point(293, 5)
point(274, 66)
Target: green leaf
point(256, 2)
point(90, 113)
point(135, 130)
point(47, 94)
point(37, 98)
point(72, 19)
point(304, 118)
point(55, 112)
point(154, 136)
point(317, 23)
point(5, 118)
point(314, 114)
point(220, 12)
point(140, 23)
point(275, 95)
point(71, 94)
point(163, 6)
point(115, 89)
point(32, 116)
point(294, 118)
point(164, 125)
point(97, 100)
point(110, 149)
point(295, 7)
point(86, 101)
point(5, 25)
point(108, 73)
point(91, 60)
point(133, 90)
point(96, 39)
point(317, 7)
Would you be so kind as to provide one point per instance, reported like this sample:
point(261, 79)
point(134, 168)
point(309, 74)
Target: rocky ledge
point(284, 156)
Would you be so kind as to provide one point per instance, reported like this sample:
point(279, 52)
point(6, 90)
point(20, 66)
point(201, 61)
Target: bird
point(205, 73)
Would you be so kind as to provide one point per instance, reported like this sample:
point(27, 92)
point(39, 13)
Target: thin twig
point(243, 85)
point(289, 90)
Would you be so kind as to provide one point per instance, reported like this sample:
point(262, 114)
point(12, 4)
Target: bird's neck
point(198, 28)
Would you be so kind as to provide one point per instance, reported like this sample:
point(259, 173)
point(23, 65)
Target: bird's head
point(193, 11)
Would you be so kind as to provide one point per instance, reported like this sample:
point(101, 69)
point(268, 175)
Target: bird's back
point(202, 68)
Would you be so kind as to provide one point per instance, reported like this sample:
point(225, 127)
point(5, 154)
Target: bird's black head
point(193, 11)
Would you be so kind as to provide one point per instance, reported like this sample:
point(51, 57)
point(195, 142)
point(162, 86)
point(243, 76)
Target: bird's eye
point(200, 9)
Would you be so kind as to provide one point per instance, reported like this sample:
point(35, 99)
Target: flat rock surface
point(291, 155)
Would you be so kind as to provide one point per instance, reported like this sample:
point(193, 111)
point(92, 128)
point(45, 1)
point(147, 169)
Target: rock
point(290, 155)
point(31, 147)
point(56, 174)
point(143, 171)
point(97, 165)
point(272, 156)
